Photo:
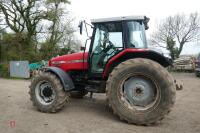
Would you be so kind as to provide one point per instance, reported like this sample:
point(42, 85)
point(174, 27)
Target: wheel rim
point(45, 93)
point(139, 92)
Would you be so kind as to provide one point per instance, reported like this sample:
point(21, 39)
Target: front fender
point(63, 76)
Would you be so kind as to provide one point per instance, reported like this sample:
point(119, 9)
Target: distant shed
point(19, 69)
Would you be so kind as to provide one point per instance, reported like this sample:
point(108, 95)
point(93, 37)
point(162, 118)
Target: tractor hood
point(70, 62)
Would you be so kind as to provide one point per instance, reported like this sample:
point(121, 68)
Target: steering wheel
point(105, 53)
point(110, 46)
point(104, 48)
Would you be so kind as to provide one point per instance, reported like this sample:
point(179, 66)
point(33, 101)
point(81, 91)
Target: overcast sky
point(154, 9)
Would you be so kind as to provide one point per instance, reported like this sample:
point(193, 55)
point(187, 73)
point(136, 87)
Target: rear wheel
point(140, 91)
point(46, 93)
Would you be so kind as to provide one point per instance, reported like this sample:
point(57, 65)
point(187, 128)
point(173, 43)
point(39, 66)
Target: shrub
point(4, 70)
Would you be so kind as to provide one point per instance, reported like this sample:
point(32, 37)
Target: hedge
point(4, 70)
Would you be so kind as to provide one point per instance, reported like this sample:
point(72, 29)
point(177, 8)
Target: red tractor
point(138, 87)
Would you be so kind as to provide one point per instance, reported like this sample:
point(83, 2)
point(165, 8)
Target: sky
point(156, 10)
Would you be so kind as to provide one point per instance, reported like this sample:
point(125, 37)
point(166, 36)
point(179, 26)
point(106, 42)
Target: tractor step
point(91, 88)
point(96, 86)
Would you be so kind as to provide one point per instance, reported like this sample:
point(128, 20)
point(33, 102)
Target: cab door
point(108, 41)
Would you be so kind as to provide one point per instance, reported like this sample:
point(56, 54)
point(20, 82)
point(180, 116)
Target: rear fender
point(63, 76)
point(135, 53)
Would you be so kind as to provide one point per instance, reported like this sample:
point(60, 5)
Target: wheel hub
point(139, 91)
point(45, 93)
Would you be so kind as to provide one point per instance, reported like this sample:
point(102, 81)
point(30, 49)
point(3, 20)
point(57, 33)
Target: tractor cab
point(111, 36)
point(113, 41)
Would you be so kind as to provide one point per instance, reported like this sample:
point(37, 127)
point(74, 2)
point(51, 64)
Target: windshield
point(136, 37)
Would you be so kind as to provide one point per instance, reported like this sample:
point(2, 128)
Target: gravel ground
point(17, 115)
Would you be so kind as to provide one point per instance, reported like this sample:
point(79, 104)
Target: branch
point(154, 42)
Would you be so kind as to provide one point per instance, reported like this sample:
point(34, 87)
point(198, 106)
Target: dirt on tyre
point(140, 91)
point(47, 93)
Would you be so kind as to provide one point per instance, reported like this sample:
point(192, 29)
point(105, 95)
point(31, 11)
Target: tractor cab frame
point(115, 40)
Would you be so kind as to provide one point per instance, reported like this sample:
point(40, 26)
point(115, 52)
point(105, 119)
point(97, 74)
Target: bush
point(4, 70)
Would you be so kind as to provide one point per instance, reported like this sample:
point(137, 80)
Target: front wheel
point(46, 93)
point(140, 91)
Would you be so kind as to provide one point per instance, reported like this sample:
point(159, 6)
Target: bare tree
point(12, 17)
point(186, 30)
point(22, 15)
point(55, 15)
point(175, 31)
point(1, 19)
point(60, 32)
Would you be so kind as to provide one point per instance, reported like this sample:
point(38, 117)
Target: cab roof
point(144, 19)
point(112, 19)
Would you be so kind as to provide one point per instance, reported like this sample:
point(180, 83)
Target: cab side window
point(107, 43)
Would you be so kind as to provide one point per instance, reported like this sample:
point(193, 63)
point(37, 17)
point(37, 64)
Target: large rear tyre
point(46, 93)
point(140, 91)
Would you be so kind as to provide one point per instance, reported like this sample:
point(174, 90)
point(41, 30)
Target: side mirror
point(82, 48)
point(146, 20)
point(81, 27)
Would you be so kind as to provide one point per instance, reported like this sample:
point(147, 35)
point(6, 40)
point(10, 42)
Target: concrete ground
point(17, 115)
